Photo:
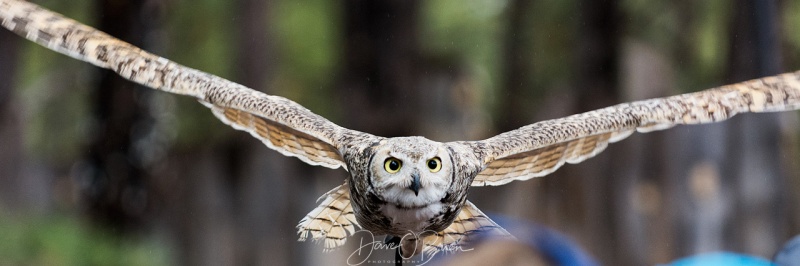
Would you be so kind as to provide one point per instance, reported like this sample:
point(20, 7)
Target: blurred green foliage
point(307, 35)
point(306, 38)
point(790, 23)
point(54, 114)
point(467, 32)
point(199, 37)
point(62, 240)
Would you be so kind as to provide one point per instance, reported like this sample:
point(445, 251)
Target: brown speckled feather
point(88, 44)
point(470, 225)
point(540, 148)
point(279, 137)
point(332, 221)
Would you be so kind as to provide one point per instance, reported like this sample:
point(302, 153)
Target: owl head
point(411, 172)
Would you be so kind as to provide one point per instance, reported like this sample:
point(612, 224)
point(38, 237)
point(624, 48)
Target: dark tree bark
point(518, 68)
point(594, 184)
point(695, 200)
point(577, 198)
point(755, 166)
point(238, 196)
point(580, 199)
point(12, 189)
point(260, 176)
point(597, 61)
point(381, 63)
point(755, 43)
point(9, 51)
point(117, 194)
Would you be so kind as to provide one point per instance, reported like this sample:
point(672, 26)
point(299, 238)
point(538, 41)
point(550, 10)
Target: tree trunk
point(117, 194)
point(518, 68)
point(755, 168)
point(380, 84)
point(12, 184)
point(595, 184)
point(259, 178)
point(381, 57)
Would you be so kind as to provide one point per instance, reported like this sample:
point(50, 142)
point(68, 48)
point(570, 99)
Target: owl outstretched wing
point(281, 124)
point(541, 148)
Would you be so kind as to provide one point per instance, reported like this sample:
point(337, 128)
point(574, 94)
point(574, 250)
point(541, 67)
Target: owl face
point(411, 172)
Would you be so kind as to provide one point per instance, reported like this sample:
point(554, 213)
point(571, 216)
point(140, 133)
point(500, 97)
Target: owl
point(408, 187)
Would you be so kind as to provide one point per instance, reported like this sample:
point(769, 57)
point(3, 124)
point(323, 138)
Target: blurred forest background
point(97, 171)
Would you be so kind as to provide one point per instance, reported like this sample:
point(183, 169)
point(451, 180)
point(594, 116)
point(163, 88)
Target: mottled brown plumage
point(408, 185)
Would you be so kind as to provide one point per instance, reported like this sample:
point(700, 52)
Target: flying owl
point(409, 187)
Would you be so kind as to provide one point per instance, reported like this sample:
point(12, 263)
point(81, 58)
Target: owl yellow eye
point(392, 165)
point(435, 164)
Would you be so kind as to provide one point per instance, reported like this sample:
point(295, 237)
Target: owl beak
point(415, 184)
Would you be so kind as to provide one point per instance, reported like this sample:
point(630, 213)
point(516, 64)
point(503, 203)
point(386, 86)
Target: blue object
point(722, 259)
point(790, 254)
point(558, 248)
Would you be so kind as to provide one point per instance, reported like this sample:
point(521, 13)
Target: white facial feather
point(414, 220)
point(403, 206)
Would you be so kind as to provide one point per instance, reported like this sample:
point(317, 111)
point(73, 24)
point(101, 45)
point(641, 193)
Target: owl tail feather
point(470, 225)
point(332, 221)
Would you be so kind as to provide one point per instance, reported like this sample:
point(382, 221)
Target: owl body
point(386, 203)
